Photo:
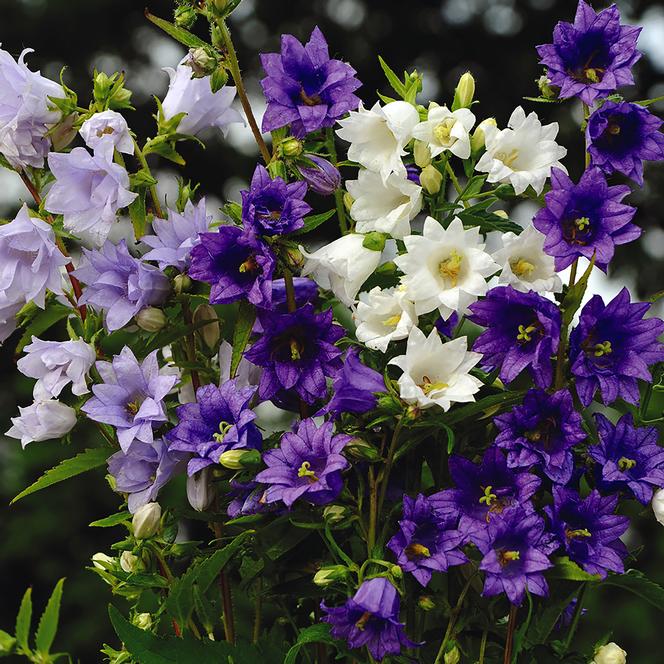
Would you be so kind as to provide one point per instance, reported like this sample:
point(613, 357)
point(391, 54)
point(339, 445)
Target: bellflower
point(436, 373)
point(55, 364)
point(370, 618)
point(142, 471)
point(542, 432)
point(42, 420)
point(426, 543)
point(621, 136)
point(322, 177)
point(383, 316)
point(525, 264)
point(355, 387)
point(523, 331)
point(247, 498)
point(273, 207)
point(120, 284)
point(89, 190)
point(483, 491)
point(591, 57)
point(25, 117)
point(237, 265)
point(9, 307)
point(612, 346)
point(515, 555)
point(342, 266)
point(658, 505)
point(585, 219)
point(446, 130)
point(523, 154)
point(305, 88)
point(307, 465)
point(628, 457)
point(219, 420)
point(387, 206)
point(445, 268)
point(107, 126)
point(588, 531)
point(378, 137)
point(30, 262)
point(204, 109)
point(130, 397)
point(173, 239)
point(306, 290)
point(297, 352)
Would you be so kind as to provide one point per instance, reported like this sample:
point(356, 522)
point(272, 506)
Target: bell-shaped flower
point(107, 126)
point(42, 420)
point(446, 130)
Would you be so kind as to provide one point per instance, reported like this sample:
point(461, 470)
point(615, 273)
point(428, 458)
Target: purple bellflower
point(322, 177)
point(305, 88)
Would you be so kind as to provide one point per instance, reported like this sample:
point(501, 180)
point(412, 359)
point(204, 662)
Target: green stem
point(390, 462)
point(373, 511)
point(485, 635)
point(509, 641)
point(338, 193)
point(455, 182)
point(258, 611)
point(190, 343)
point(452, 622)
point(153, 189)
point(578, 610)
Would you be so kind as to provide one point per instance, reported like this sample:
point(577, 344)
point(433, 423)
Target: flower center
point(507, 557)
point(364, 619)
point(521, 267)
point(295, 349)
point(582, 223)
point(224, 427)
point(133, 407)
point(508, 158)
point(613, 129)
point(450, 268)
point(626, 464)
point(443, 130)
point(577, 534)
point(105, 131)
point(314, 100)
point(525, 333)
point(305, 471)
point(488, 498)
point(602, 349)
point(428, 386)
point(414, 550)
point(249, 265)
point(593, 74)
point(392, 321)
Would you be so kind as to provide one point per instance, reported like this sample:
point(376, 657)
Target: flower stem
point(509, 642)
point(258, 611)
point(390, 462)
point(578, 610)
point(373, 511)
point(485, 635)
point(190, 344)
point(338, 194)
point(454, 615)
point(455, 181)
point(234, 67)
point(226, 596)
point(153, 189)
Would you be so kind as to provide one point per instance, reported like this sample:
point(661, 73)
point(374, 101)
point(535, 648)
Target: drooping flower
point(107, 126)
point(370, 618)
point(387, 206)
point(55, 364)
point(354, 388)
point(297, 352)
point(236, 263)
point(612, 346)
point(130, 397)
point(378, 136)
point(525, 264)
point(342, 266)
point(247, 498)
point(446, 130)
point(273, 207)
point(25, 117)
point(174, 238)
point(383, 316)
point(42, 420)
point(588, 531)
point(445, 268)
point(219, 420)
point(483, 491)
point(611, 653)
point(120, 284)
point(89, 190)
point(307, 465)
point(425, 542)
point(516, 554)
point(204, 109)
point(523, 331)
point(542, 432)
point(585, 219)
point(30, 262)
point(305, 88)
point(628, 457)
point(591, 57)
point(621, 136)
point(436, 373)
point(143, 470)
point(523, 154)
point(323, 177)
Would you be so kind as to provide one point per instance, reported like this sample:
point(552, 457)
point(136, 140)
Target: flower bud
point(431, 179)
point(426, 603)
point(452, 656)
point(239, 459)
point(277, 169)
point(658, 505)
point(102, 561)
point(201, 61)
point(7, 644)
point(334, 513)
point(209, 333)
point(501, 213)
point(327, 575)
point(129, 562)
point(360, 449)
point(218, 79)
point(348, 201)
point(323, 177)
point(199, 491)
point(611, 653)
point(546, 89)
point(146, 520)
point(478, 138)
point(64, 132)
point(291, 147)
point(150, 319)
point(181, 284)
point(142, 620)
point(396, 571)
point(421, 154)
point(374, 241)
point(465, 91)
point(184, 16)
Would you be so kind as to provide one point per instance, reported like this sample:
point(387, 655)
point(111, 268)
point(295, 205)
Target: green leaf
point(23, 621)
point(543, 100)
point(392, 78)
point(112, 520)
point(488, 221)
point(314, 634)
point(649, 102)
point(44, 320)
point(7, 644)
point(246, 316)
point(48, 623)
point(574, 295)
point(543, 625)
point(564, 568)
point(81, 463)
point(314, 221)
point(138, 215)
point(179, 34)
point(639, 584)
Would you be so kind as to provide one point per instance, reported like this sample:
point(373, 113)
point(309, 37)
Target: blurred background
point(46, 536)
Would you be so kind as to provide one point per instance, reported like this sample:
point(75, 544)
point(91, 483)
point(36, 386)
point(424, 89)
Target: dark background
point(45, 536)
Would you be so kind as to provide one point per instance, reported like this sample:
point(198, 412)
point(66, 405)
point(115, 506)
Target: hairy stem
point(153, 189)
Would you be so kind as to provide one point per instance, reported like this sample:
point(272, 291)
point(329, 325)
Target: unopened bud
point(501, 213)
point(142, 621)
point(209, 333)
point(611, 653)
point(360, 449)
point(102, 561)
point(291, 147)
point(218, 79)
point(658, 505)
point(239, 459)
point(374, 241)
point(129, 562)
point(146, 520)
point(327, 575)
point(348, 201)
point(334, 513)
point(396, 571)
point(465, 91)
point(277, 169)
point(421, 154)
point(201, 61)
point(426, 603)
point(181, 284)
point(431, 179)
point(452, 656)
point(546, 89)
point(477, 140)
point(184, 16)
point(64, 132)
point(150, 319)
point(199, 491)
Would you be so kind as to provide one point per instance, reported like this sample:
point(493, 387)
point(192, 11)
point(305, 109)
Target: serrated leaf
point(314, 221)
point(112, 520)
point(44, 320)
point(81, 463)
point(639, 584)
point(567, 569)
point(179, 34)
point(574, 295)
point(246, 316)
point(23, 620)
point(394, 81)
point(48, 623)
point(314, 634)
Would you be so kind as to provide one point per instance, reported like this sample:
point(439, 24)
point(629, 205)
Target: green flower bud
point(7, 644)
point(452, 656)
point(181, 284)
point(218, 79)
point(209, 333)
point(431, 179)
point(426, 603)
point(109, 92)
point(348, 201)
point(130, 562)
point(421, 154)
point(501, 213)
point(478, 138)
point(334, 513)
point(327, 575)
point(291, 147)
point(465, 91)
point(277, 168)
point(396, 571)
point(546, 89)
point(240, 459)
point(202, 61)
point(374, 241)
point(64, 132)
point(146, 520)
point(103, 561)
point(142, 621)
point(150, 319)
point(184, 16)
point(360, 449)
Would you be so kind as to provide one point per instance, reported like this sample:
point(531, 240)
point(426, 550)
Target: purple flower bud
point(323, 178)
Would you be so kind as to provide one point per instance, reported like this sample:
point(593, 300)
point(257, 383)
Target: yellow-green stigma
point(392, 321)
point(626, 464)
point(417, 551)
point(450, 268)
point(525, 332)
point(582, 223)
point(133, 407)
point(576, 534)
point(614, 129)
point(295, 350)
point(488, 498)
point(603, 349)
point(364, 619)
point(592, 75)
point(443, 130)
point(521, 267)
point(428, 387)
point(506, 557)
point(314, 100)
point(249, 265)
point(224, 427)
point(508, 158)
point(305, 471)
